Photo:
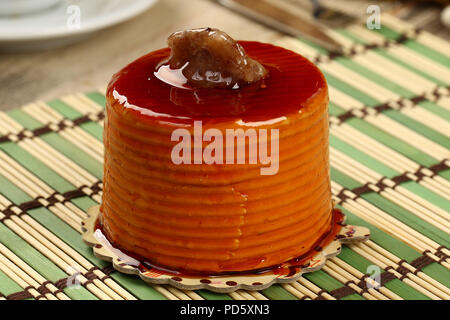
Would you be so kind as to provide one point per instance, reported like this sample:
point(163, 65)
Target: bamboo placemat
point(389, 115)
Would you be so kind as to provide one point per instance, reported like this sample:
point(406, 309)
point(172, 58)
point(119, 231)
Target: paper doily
point(222, 284)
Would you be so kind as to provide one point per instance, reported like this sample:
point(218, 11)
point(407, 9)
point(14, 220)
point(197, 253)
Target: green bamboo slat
point(415, 46)
point(419, 127)
point(24, 119)
point(387, 33)
point(84, 203)
point(438, 272)
point(343, 179)
point(74, 153)
point(392, 142)
point(375, 77)
point(445, 174)
point(94, 129)
point(383, 239)
point(348, 34)
point(362, 157)
point(334, 110)
point(328, 283)
point(8, 286)
point(97, 97)
point(394, 210)
point(399, 248)
point(350, 90)
point(12, 192)
point(380, 135)
point(314, 46)
point(428, 52)
point(209, 295)
point(137, 287)
point(412, 68)
point(276, 292)
point(39, 169)
point(70, 113)
point(61, 229)
point(396, 286)
point(435, 109)
point(427, 194)
point(40, 263)
point(388, 172)
point(408, 219)
point(395, 114)
point(62, 145)
point(64, 109)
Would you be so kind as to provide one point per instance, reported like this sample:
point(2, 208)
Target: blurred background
point(63, 47)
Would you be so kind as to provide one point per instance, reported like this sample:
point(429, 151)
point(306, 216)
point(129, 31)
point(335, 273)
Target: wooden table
point(45, 75)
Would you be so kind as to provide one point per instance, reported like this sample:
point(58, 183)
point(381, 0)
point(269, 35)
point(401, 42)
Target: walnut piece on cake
point(210, 58)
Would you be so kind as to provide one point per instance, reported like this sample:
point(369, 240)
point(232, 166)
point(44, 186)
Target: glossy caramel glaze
point(222, 217)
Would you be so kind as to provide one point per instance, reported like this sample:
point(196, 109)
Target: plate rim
point(132, 10)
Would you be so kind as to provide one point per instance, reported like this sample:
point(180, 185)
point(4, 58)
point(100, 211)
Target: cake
point(174, 203)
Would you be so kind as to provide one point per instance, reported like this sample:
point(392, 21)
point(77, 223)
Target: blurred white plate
point(58, 25)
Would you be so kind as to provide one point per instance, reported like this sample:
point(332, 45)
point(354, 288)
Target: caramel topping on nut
point(209, 58)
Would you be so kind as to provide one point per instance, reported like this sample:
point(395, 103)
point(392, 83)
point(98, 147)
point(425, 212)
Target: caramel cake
point(189, 213)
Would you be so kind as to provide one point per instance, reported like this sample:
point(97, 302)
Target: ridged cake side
point(215, 218)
